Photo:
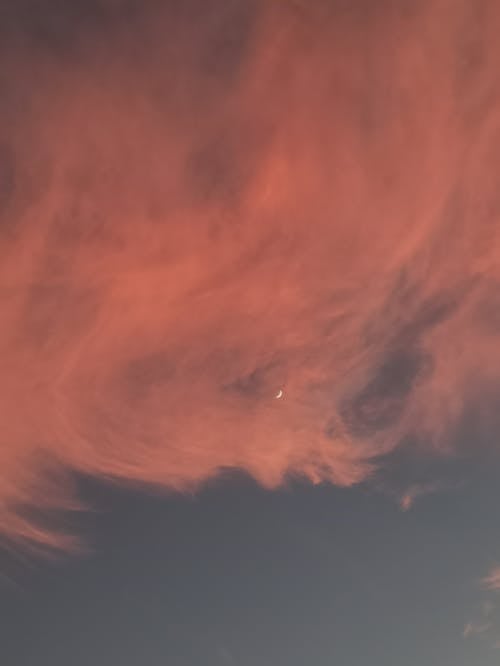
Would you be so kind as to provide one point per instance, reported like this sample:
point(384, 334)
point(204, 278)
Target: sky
point(249, 271)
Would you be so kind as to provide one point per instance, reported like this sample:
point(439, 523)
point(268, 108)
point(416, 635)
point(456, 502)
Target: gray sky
point(240, 575)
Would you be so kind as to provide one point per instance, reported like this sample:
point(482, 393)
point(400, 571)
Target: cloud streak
point(203, 204)
point(492, 580)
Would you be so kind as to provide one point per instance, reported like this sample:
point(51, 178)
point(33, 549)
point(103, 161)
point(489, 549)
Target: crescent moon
point(279, 394)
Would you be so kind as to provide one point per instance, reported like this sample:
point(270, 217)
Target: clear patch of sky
point(236, 574)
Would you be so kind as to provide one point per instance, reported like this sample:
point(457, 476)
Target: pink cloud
point(180, 242)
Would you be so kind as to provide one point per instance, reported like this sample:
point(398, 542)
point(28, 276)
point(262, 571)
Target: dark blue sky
point(238, 575)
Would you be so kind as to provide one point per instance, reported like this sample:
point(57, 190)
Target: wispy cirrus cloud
point(485, 625)
point(476, 628)
point(203, 204)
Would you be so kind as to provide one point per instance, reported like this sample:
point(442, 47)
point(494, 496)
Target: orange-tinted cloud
point(205, 204)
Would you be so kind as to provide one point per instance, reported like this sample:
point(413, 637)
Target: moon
point(279, 394)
